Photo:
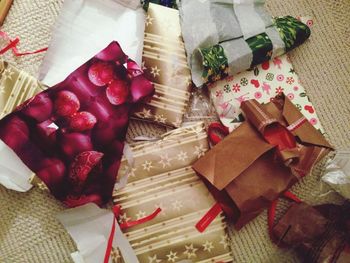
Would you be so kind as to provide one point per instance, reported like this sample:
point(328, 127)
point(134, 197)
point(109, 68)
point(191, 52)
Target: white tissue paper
point(14, 174)
point(337, 173)
point(90, 227)
point(84, 28)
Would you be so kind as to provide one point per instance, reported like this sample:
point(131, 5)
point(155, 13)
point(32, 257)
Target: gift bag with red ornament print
point(72, 135)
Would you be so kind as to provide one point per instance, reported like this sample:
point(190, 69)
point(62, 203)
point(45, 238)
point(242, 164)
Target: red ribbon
point(214, 129)
point(13, 45)
point(209, 217)
point(277, 135)
point(116, 211)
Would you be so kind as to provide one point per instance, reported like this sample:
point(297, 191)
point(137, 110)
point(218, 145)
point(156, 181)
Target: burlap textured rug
point(29, 231)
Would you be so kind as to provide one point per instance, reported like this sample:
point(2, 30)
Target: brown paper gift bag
point(253, 172)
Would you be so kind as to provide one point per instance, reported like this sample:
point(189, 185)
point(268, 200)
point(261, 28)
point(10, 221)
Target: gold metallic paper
point(15, 88)
point(161, 176)
point(164, 63)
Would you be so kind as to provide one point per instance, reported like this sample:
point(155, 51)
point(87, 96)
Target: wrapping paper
point(164, 63)
point(4, 8)
point(96, 22)
point(220, 40)
point(90, 227)
point(166, 3)
point(72, 135)
point(337, 173)
point(161, 176)
point(321, 236)
point(261, 83)
point(262, 158)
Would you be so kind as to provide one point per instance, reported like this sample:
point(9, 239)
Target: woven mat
point(29, 231)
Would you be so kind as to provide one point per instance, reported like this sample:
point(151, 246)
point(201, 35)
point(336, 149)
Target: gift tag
point(4, 8)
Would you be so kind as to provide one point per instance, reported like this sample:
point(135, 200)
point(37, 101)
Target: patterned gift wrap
point(165, 64)
point(23, 87)
point(161, 176)
point(261, 83)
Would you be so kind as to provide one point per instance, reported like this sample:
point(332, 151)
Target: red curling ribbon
point(272, 212)
point(110, 242)
point(116, 211)
point(276, 135)
point(209, 217)
point(140, 221)
point(214, 129)
point(13, 45)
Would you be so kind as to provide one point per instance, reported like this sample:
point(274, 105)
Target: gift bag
point(317, 233)
point(262, 84)
point(164, 63)
point(226, 37)
point(161, 177)
point(72, 135)
point(262, 158)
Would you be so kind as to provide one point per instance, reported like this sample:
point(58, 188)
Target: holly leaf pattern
point(214, 63)
point(292, 31)
point(261, 46)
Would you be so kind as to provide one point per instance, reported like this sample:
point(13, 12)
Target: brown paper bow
point(253, 172)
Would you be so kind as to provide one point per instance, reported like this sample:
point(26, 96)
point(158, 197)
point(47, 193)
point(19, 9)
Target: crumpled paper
point(244, 166)
point(161, 177)
point(90, 227)
point(337, 173)
point(262, 83)
point(164, 63)
point(84, 27)
point(72, 135)
point(221, 41)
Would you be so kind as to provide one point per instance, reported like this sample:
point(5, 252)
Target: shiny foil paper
point(164, 63)
point(161, 176)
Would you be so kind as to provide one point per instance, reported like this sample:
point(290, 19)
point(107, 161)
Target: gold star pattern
point(149, 20)
point(7, 74)
point(140, 214)
point(224, 240)
point(143, 65)
point(123, 218)
point(129, 171)
point(115, 255)
point(160, 118)
point(2, 89)
point(155, 71)
point(177, 205)
point(199, 151)
point(172, 256)
point(182, 156)
point(208, 246)
point(165, 160)
point(190, 251)
point(147, 165)
point(153, 259)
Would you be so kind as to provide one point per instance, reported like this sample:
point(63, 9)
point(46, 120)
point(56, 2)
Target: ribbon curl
point(12, 45)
